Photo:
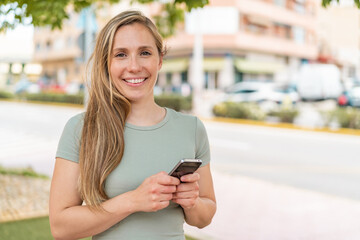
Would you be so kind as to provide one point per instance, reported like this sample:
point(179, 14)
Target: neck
point(145, 113)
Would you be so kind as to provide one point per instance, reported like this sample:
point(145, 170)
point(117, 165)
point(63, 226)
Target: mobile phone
point(185, 166)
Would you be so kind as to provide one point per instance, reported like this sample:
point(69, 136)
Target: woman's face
point(135, 62)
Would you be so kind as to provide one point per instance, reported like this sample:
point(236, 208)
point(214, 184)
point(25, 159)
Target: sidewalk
point(251, 209)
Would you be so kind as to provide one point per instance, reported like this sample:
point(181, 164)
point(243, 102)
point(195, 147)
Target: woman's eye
point(145, 53)
point(120, 55)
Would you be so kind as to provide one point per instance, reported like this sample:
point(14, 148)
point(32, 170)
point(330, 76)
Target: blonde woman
point(116, 156)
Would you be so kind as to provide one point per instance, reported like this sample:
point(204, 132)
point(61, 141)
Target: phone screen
point(185, 166)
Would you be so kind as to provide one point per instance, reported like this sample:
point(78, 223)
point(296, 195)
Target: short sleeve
point(202, 143)
point(69, 144)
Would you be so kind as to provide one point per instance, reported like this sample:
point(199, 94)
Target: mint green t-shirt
point(148, 150)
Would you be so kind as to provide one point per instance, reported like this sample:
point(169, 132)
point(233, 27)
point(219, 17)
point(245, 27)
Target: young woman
point(116, 156)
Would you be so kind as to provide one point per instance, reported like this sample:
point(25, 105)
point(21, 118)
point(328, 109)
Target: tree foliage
point(326, 3)
point(53, 13)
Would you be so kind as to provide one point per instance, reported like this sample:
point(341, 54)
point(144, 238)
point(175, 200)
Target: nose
point(134, 65)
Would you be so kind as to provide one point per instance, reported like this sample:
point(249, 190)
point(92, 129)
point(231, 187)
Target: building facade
point(64, 53)
point(243, 40)
point(226, 42)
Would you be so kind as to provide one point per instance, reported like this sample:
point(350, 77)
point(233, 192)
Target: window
point(211, 80)
point(281, 3)
point(299, 35)
point(184, 77)
point(282, 30)
point(255, 24)
point(299, 7)
point(48, 45)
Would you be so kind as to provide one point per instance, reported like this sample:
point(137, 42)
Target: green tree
point(53, 13)
point(326, 3)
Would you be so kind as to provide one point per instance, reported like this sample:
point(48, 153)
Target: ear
point(160, 62)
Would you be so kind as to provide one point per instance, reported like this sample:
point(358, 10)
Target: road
point(269, 182)
point(29, 134)
point(323, 162)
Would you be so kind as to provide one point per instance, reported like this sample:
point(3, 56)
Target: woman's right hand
point(154, 193)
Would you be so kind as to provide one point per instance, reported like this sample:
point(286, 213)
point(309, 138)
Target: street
point(270, 183)
point(323, 162)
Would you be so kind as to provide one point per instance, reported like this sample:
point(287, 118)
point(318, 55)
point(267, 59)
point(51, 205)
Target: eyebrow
point(124, 49)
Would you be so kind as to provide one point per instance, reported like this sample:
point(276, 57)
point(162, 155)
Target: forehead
point(133, 35)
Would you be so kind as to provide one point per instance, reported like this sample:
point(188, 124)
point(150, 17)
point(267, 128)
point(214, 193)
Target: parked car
point(284, 93)
point(350, 97)
point(248, 92)
point(26, 86)
point(261, 92)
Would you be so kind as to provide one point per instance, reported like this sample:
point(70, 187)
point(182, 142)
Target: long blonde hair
point(102, 139)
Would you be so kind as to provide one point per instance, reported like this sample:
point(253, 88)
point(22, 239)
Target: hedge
point(239, 110)
point(6, 95)
point(285, 115)
point(347, 117)
point(55, 97)
point(176, 102)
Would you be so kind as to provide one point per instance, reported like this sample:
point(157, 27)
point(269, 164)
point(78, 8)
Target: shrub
point(286, 115)
point(176, 102)
point(55, 97)
point(27, 172)
point(6, 95)
point(239, 110)
point(348, 117)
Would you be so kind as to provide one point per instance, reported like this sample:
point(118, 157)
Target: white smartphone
point(185, 166)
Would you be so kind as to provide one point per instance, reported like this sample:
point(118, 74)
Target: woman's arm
point(196, 196)
point(69, 219)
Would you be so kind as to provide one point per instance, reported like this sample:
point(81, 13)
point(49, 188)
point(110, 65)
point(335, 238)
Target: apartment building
point(63, 53)
point(243, 40)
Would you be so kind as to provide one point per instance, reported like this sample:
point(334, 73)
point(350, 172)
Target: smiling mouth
point(135, 80)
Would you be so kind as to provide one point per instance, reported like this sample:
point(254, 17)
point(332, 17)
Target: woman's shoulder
point(185, 119)
point(76, 121)
point(78, 118)
point(180, 115)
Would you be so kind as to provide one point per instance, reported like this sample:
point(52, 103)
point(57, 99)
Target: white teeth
point(135, 80)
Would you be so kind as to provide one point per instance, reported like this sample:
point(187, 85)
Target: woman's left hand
point(187, 192)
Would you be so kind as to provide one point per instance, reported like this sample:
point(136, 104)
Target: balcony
point(275, 13)
point(274, 45)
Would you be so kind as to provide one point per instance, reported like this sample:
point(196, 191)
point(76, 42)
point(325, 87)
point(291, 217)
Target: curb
point(347, 131)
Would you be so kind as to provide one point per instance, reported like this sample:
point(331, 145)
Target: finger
point(186, 187)
point(165, 179)
point(168, 189)
point(165, 197)
point(185, 195)
point(194, 177)
point(160, 205)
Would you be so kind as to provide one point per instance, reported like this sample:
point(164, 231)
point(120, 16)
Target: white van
point(319, 81)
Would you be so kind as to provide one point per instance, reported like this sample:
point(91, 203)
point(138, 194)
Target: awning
point(247, 66)
point(213, 64)
point(175, 65)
